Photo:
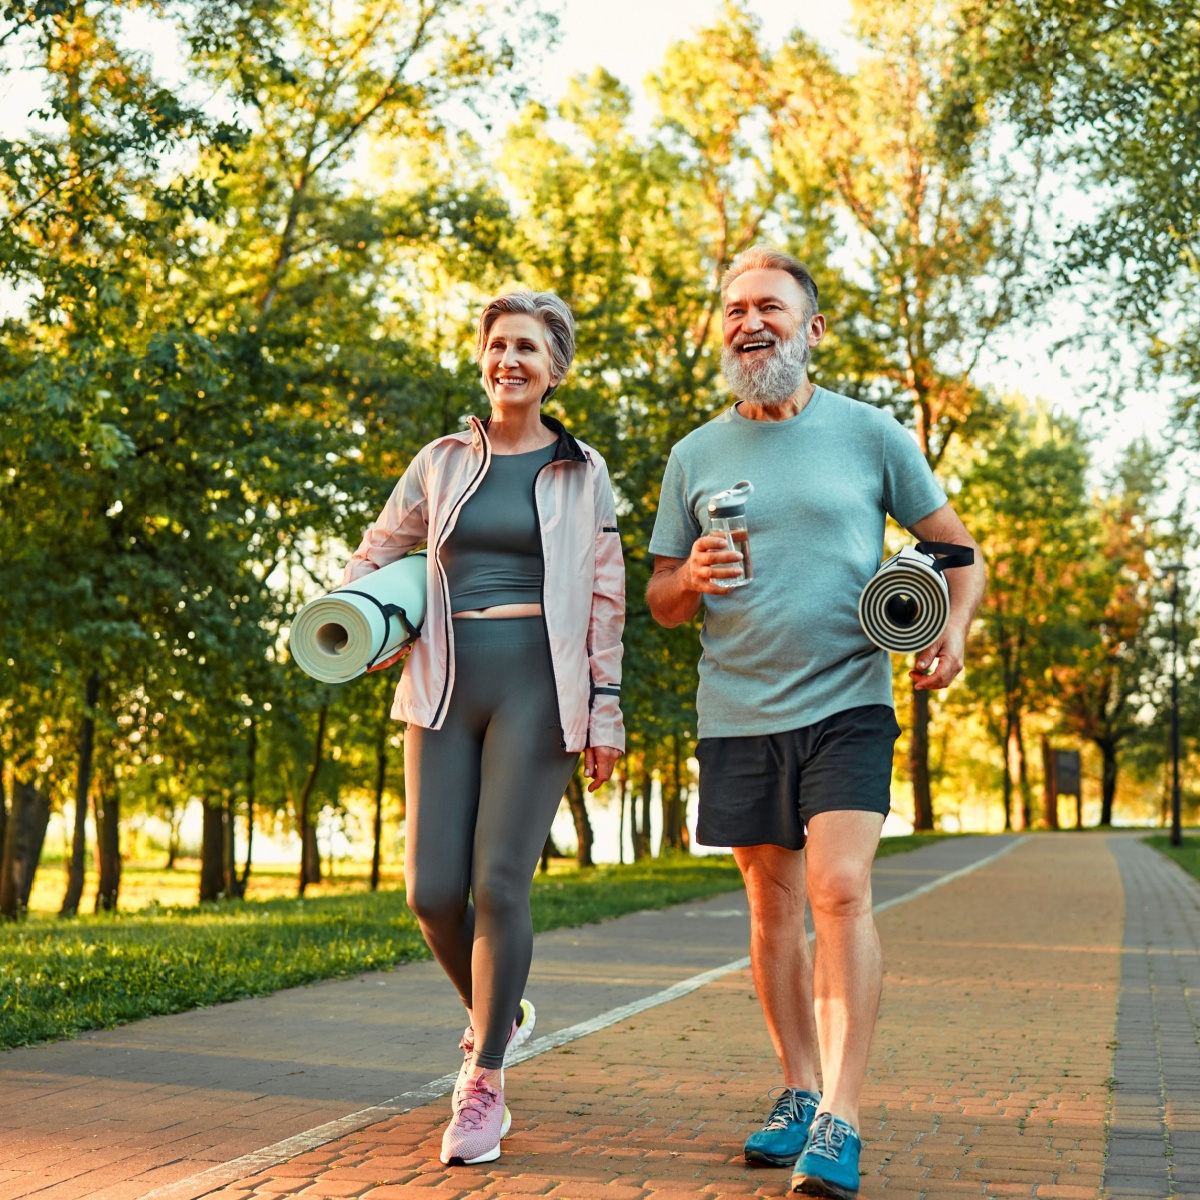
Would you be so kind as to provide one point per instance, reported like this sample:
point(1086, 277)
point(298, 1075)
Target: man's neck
point(793, 406)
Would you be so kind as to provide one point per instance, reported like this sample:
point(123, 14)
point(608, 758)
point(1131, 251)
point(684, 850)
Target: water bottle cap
point(732, 501)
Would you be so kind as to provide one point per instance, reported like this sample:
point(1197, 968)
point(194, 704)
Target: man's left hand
point(598, 763)
point(949, 653)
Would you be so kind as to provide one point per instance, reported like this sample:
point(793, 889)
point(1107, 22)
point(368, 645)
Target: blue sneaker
point(829, 1164)
point(782, 1138)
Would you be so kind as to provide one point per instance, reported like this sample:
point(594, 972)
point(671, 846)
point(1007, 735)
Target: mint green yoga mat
point(338, 636)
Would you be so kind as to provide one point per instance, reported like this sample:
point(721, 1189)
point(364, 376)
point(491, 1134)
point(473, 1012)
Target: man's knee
point(774, 880)
point(839, 890)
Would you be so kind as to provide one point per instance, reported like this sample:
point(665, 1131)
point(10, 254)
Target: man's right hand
point(676, 588)
point(711, 559)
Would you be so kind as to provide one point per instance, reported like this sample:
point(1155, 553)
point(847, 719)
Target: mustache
point(744, 339)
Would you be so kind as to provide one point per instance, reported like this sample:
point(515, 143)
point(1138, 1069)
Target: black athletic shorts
point(764, 789)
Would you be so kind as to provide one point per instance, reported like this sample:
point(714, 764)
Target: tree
point(1025, 494)
point(1109, 681)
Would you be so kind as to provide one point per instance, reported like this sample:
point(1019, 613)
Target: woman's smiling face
point(516, 361)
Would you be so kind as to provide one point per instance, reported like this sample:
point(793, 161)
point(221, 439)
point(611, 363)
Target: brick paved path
point(1155, 1133)
point(988, 1073)
point(189, 1101)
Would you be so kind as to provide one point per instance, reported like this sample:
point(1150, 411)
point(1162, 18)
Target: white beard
point(771, 383)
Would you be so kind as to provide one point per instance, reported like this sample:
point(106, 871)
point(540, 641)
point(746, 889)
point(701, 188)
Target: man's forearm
point(671, 601)
point(967, 586)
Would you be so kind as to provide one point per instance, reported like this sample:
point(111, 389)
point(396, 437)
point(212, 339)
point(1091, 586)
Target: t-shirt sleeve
point(675, 525)
point(910, 490)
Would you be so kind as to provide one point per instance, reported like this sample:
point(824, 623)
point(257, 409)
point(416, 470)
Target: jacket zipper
point(447, 529)
point(545, 624)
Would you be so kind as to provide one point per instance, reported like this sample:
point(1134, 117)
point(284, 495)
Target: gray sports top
point(494, 554)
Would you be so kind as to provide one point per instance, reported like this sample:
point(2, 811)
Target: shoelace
point(477, 1098)
point(827, 1138)
point(788, 1108)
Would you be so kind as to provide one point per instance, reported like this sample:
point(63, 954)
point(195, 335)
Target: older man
point(796, 722)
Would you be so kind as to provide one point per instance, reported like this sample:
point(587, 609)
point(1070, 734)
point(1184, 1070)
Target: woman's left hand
point(598, 763)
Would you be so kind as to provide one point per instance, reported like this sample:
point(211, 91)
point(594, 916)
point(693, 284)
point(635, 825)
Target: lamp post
point(1173, 569)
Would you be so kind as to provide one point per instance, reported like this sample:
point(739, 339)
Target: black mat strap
point(388, 611)
point(953, 555)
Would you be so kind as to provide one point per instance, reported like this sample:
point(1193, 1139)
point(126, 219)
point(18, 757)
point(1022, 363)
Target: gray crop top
point(494, 554)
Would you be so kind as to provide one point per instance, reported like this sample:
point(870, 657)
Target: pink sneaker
point(518, 1036)
point(481, 1119)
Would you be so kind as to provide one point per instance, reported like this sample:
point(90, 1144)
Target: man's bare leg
point(779, 957)
point(848, 971)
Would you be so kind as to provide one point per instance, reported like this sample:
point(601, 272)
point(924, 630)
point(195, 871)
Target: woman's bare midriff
point(502, 610)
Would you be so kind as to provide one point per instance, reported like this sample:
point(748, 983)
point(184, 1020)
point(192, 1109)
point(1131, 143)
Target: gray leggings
point(481, 794)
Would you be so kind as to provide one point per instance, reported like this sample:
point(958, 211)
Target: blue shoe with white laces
point(829, 1165)
point(782, 1138)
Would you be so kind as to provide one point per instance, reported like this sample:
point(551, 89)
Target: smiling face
point(516, 363)
point(768, 336)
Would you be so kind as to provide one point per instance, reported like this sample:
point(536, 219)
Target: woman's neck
point(517, 432)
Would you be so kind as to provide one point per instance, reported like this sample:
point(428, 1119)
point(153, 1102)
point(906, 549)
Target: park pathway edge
point(1154, 1129)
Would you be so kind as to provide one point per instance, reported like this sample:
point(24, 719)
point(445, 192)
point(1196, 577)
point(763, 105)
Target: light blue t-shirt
point(787, 649)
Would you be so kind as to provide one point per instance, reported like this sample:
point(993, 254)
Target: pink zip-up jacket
point(583, 593)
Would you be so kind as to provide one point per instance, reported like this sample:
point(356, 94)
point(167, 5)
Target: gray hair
point(766, 258)
point(554, 315)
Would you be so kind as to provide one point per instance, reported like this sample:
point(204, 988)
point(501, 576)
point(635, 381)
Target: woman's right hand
point(387, 662)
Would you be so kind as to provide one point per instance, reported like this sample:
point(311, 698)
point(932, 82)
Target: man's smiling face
point(762, 308)
point(767, 329)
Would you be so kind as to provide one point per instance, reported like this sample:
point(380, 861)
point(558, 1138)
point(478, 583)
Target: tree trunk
point(1108, 781)
point(212, 853)
point(1049, 785)
point(381, 747)
point(672, 804)
point(233, 885)
point(39, 813)
point(623, 781)
point(251, 780)
point(83, 783)
point(639, 828)
point(310, 859)
point(583, 824)
point(1012, 769)
point(918, 763)
point(21, 846)
point(549, 851)
point(1023, 778)
point(3, 809)
point(174, 819)
point(108, 845)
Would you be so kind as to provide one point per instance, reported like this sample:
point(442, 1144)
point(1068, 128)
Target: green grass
point(58, 978)
point(1187, 855)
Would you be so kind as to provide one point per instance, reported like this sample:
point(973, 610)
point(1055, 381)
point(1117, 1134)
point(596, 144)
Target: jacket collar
point(567, 448)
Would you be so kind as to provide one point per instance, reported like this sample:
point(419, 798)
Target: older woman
point(516, 671)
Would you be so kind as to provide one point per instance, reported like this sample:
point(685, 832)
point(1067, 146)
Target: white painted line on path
point(201, 1184)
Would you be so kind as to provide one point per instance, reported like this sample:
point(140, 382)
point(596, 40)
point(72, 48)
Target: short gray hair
point(550, 309)
point(767, 258)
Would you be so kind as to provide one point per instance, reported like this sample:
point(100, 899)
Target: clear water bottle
point(727, 518)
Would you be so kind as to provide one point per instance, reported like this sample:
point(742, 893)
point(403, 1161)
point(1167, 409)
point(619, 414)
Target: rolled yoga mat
point(906, 604)
point(339, 636)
